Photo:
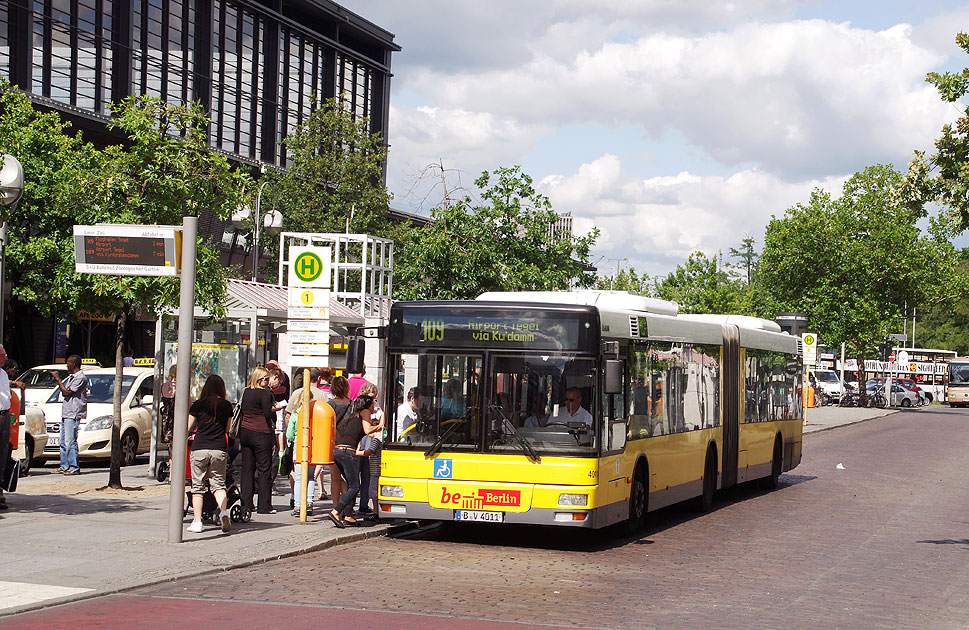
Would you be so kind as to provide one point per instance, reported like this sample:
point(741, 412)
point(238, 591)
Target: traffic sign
point(305, 312)
point(891, 357)
point(309, 266)
point(295, 325)
point(303, 297)
point(310, 349)
point(809, 342)
point(309, 336)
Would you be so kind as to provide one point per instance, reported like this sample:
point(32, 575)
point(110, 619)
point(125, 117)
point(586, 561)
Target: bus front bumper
point(534, 516)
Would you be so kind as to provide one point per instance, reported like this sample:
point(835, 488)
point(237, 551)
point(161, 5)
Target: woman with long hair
point(340, 401)
point(257, 437)
point(210, 415)
point(349, 431)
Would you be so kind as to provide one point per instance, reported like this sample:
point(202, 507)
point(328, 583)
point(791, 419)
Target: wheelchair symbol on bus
point(442, 469)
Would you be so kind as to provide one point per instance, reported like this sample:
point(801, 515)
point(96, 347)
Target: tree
point(945, 324)
point(701, 286)
point(626, 280)
point(505, 243)
point(165, 173)
point(854, 262)
point(748, 256)
point(950, 183)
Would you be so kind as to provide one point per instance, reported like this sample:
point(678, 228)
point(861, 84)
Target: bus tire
point(705, 501)
point(770, 481)
point(638, 502)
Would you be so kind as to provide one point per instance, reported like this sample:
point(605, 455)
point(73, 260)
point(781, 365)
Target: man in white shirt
point(407, 412)
point(572, 411)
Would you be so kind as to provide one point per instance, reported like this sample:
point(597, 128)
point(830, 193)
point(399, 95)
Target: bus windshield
point(959, 374)
point(448, 402)
point(545, 400)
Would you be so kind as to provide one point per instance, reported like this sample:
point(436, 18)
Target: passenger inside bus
point(572, 410)
point(452, 405)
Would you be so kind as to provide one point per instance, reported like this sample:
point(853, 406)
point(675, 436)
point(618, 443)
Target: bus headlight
point(573, 500)
point(394, 492)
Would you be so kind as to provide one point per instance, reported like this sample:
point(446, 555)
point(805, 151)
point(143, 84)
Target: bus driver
point(572, 411)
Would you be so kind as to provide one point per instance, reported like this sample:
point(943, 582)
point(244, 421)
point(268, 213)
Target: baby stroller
point(210, 509)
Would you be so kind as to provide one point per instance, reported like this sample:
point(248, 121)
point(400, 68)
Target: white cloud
point(653, 222)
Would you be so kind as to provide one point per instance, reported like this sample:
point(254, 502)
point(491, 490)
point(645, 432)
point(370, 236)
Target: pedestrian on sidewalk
point(349, 431)
point(73, 410)
point(340, 402)
point(257, 436)
point(4, 422)
point(297, 474)
point(368, 389)
point(357, 381)
point(210, 414)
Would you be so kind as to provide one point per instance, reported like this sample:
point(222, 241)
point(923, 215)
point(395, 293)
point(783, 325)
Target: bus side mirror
point(613, 384)
point(355, 351)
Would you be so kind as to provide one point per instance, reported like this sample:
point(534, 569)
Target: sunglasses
point(571, 399)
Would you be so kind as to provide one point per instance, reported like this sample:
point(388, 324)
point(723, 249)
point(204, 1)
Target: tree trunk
point(862, 379)
point(114, 476)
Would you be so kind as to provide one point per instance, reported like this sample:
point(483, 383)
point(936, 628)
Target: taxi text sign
point(127, 250)
point(309, 267)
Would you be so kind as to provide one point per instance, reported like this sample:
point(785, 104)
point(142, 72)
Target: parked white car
point(94, 434)
point(829, 383)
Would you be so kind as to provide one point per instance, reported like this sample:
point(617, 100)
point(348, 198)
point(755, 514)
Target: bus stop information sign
point(127, 250)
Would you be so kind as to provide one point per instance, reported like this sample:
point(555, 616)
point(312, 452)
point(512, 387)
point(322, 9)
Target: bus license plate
point(470, 515)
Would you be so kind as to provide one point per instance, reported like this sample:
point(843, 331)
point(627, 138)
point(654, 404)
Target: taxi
point(94, 433)
point(31, 437)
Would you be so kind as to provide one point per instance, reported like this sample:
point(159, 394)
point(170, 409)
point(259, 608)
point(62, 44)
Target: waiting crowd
point(267, 428)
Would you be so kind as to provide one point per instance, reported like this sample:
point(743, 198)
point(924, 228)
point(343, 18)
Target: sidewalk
point(832, 416)
point(69, 538)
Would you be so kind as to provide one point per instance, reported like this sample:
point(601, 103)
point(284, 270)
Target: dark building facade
point(254, 65)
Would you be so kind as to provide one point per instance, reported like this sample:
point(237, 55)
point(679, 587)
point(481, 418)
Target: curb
point(848, 424)
point(320, 546)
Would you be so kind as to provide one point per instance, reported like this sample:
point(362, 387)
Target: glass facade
point(256, 71)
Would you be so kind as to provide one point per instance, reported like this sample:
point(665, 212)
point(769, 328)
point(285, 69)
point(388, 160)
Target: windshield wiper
point(436, 446)
point(522, 442)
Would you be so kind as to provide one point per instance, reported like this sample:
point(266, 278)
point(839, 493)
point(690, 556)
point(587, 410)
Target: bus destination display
point(121, 250)
point(528, 331)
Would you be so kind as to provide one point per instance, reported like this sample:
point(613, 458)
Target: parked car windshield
point(100, 388)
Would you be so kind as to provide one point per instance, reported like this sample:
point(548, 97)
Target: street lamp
point(272, 222)
point(11, 188)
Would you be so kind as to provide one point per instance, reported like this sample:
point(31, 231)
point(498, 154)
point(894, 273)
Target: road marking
point(21, 593)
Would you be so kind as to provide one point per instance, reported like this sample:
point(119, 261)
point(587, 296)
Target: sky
point(672, 126)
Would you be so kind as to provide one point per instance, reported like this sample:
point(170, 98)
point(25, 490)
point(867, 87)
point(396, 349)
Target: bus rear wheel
point(770, 482)
point(705, 501)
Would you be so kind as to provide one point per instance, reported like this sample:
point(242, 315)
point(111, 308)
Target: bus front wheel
point(638, 501)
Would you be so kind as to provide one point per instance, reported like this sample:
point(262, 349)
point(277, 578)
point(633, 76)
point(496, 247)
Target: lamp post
point(11, 189)
point(272, 222)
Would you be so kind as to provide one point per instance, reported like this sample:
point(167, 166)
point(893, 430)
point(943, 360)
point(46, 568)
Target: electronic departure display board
point(469, 327)
point(127, 250)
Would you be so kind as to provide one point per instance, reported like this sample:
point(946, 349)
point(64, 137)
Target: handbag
point(11, 474)
point(286, 462)
point(236, 421)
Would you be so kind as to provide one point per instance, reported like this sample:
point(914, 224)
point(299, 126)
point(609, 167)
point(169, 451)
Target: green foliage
point(854, 263)
point(503, 244)
point(164, 173)
point(950, 183)
point(626, 280)
point(334, 176)
point(702, 286)
point(945, 323)
point(748, 256)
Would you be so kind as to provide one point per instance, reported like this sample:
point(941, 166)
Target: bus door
point(731, 404)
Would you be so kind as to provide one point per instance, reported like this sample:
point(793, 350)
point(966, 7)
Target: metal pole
point(186, 325)
point(255, 239)
point(3, 272)
point(304, 456)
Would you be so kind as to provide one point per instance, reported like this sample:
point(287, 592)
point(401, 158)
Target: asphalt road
point(880, 541)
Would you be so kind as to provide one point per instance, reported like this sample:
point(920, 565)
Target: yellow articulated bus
point(581, 409)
